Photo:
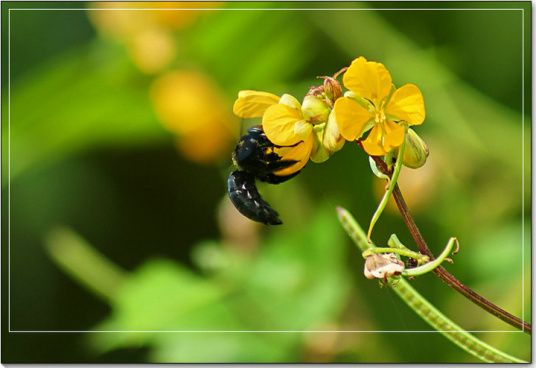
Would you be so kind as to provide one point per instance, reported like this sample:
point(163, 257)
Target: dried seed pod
point(382, 266)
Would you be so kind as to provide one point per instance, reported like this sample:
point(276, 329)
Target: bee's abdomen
point(246, 198)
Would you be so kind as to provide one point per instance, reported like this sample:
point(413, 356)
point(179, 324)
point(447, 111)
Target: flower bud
point(416, 151)
point(332, 139)
point(315, 109)
point(332, 88)
point(302, 129)
point(319, 153)
point(290, 101)
point(327, 140)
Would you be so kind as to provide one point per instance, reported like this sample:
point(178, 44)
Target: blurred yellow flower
point(190, 105)
point(208, 144)
point(152, 50)
point(147, 33)
point(374, 103)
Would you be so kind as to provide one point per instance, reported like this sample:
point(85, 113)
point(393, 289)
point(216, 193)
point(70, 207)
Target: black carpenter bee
point(255, 158)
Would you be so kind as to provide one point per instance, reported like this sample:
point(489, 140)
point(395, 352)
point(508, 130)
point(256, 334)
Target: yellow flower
point(374, 103)
point(298, 129)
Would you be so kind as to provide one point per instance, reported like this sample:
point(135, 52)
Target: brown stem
point(441, 272)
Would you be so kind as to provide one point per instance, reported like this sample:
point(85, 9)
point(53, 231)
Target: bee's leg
point(276, 179)
point(278, 165)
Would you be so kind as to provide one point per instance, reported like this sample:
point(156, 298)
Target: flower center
point(379, 117)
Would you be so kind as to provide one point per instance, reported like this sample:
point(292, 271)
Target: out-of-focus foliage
point(121, 127)
point(296, 282)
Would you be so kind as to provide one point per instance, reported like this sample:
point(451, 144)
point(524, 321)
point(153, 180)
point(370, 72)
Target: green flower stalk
point(390, 188)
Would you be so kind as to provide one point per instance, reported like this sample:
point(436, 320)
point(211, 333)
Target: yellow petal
point(351, 118)
point(373, 143)
point(368, 79)
point(299, 153)
point(253, 104)
point(407, 104)
point(393, 135)
point(278, 123)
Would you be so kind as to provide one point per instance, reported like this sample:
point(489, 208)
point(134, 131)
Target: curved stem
point(441, 272)
point(403, 252)
point(424, 309)
point(390, 188)
point(432, 265)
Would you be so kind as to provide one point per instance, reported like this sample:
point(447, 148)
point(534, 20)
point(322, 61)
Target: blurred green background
point(119, 140)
